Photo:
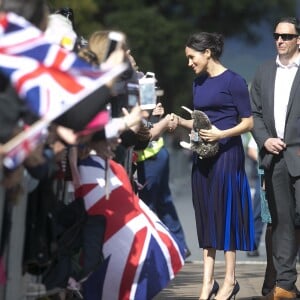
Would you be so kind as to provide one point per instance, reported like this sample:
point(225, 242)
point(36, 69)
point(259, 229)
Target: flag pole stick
point(107, 183)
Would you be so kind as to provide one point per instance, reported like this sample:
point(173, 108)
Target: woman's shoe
point(235, 290)
point(213, 291)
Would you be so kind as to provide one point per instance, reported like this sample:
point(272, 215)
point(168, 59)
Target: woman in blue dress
point(220, 189)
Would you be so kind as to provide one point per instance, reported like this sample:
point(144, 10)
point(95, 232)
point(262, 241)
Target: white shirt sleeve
point(113, 127)
point(252, 143)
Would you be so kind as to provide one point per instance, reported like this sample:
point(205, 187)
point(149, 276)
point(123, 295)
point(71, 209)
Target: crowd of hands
point(59, 138)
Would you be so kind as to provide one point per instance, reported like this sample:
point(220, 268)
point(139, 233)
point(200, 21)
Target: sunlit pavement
point(187, 283)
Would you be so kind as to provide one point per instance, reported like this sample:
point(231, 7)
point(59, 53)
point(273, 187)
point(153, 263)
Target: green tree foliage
point(231, 17)
point(157, 31)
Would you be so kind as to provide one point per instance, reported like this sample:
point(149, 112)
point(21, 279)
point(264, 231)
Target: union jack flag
point(141, 256)
point(49, 78)
point(19, 147)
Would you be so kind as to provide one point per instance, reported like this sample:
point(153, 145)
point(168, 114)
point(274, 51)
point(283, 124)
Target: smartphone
point(147, 91)
point(150, 75)
point(115, 41)
point(133, 94)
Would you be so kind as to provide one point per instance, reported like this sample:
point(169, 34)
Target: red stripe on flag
point(62, 78)
point(117, 209)
point(174, 253)
point(59, 58)
point(122, 205)
point(85, 189)
point(133, 261)
point(3, 20)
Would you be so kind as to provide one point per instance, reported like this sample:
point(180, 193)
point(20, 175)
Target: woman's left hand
point(211, 135)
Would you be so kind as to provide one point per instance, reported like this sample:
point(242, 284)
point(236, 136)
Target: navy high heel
point(213, 291)
point(235, 290)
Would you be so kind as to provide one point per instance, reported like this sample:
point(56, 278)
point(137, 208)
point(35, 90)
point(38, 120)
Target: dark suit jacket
point(262, 102)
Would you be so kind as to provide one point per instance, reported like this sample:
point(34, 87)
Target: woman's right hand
point(172, 122)
point(183, 122)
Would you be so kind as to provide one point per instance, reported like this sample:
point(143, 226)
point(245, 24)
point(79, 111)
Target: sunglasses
point(284, 36)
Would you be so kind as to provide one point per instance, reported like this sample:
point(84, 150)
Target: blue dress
point(220, 189)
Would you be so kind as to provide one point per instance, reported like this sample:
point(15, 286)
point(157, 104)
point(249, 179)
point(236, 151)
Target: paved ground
point(187, 283)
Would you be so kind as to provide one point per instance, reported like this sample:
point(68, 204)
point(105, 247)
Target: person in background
point(139, 252)
point(60, 29)
point(134, 137)
point(71, 119)
point(256, 198)
point(220, 189)
point(153, 176)
point(276, 111)
point(270, 273)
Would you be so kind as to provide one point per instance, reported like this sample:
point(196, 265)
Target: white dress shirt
point(283, 83)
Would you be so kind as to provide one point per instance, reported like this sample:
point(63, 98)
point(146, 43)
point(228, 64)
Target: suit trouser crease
point(281, 199)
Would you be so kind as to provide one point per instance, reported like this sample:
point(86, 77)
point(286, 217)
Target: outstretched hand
point(158, 110)
point(132, 119)
point(172, 122)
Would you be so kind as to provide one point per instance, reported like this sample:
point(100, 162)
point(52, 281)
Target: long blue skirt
point(222, 200)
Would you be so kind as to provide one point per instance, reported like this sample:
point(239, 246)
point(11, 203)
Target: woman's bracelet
point(125, 124)
point(178, 120)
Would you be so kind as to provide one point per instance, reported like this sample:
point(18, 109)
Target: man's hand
point(274, 145)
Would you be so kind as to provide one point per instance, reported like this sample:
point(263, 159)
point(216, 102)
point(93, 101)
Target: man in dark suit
point(275, 96)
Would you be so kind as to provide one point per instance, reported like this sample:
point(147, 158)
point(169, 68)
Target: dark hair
point(292, 20)
point(205, 40)
point(68, 13)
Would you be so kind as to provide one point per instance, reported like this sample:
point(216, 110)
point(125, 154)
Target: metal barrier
point(2, 288)
point(14, 288)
